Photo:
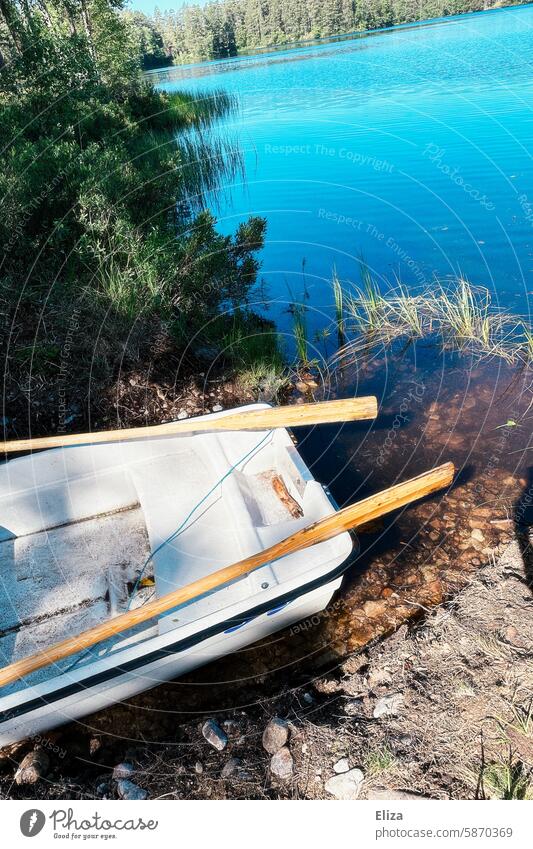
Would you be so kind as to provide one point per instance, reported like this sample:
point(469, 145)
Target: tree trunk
point(12, 19)
point(87, 27)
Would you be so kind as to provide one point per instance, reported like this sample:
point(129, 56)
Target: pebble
point(95, 744)
point(183, 414)
point(341, 766)
point(218, 408)
point(275, 735)
point(123, 770)
point(214, 735)
point(347, 785)
point(33, 767)
point(199, 768)
point(388, 705)
point(230, 767)
point(477, 535)
point(282, 764)
point(130, 791)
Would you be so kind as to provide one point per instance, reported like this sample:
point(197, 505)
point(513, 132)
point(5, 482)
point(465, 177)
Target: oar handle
point(294, 415)
point(349, 517)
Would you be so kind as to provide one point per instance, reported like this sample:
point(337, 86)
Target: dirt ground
point(443, 708)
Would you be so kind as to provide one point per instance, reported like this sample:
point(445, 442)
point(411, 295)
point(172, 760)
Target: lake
point(410, 147)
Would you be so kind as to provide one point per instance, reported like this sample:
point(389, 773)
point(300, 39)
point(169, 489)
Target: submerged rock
point(275, 735)
point(347, 785)
point(282, 764)
point(214, 735)
point(32, 767)
point(129, 791)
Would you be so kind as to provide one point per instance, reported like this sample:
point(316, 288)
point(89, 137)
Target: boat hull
point(83, 698)
point(77, 525)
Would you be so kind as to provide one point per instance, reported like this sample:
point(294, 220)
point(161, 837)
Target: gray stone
point(214, 735)
point(33, 767)
point(275, 735)
point(230, 767)
point(198, 768)
point(218, 408)
point(183, 414)
point(388, 705)
point(341, 766)
point(130, 792)
point(123, 770)
point(282, 764)
point(347, 785)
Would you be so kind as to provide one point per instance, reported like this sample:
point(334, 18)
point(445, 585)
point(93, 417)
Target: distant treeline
point(222, 28)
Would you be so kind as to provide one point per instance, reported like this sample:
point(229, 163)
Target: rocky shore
point(417, 679)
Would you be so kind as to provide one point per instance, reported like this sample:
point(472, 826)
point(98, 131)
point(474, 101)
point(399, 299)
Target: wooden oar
point(349, 517)
point(294, 415)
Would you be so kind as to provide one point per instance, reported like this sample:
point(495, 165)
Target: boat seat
point(221, 530)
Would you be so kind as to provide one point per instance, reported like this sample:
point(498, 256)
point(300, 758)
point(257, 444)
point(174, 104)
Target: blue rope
point(179, 530)
point(196, 507)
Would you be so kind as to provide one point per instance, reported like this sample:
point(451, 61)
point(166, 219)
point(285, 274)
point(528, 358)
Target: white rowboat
point(79, 526)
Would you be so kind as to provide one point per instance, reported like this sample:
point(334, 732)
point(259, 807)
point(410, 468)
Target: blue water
point(409, 147)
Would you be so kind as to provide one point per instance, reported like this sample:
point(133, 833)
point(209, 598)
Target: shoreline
point(434, 710)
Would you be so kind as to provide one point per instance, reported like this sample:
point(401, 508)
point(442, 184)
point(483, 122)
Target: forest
point(107, 251)
point(222, 28)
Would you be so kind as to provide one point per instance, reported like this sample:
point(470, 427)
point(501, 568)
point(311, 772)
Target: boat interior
point(89, 532)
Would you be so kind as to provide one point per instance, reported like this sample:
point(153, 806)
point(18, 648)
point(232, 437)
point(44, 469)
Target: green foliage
point(222, 28)
point(104, 185)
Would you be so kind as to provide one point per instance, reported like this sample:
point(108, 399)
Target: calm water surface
point(411, 147)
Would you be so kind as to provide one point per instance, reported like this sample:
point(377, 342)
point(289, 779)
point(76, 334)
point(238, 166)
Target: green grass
point(380, 760)
point(507, 780)
point(338, 295)
point(299, 327)
point(458, 316)
point(252, 348)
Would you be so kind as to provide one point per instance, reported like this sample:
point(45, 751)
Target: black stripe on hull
point(138, 663)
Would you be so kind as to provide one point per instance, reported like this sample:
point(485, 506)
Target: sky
point(148, 6)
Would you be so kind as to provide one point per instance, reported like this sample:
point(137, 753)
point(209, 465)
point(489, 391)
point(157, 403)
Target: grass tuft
point(461, 317)
point(380, 760)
